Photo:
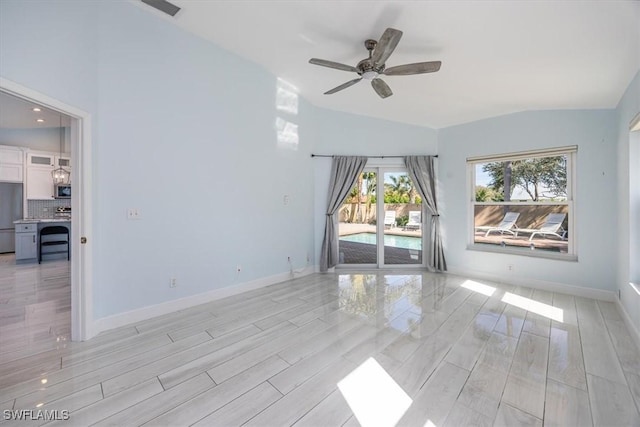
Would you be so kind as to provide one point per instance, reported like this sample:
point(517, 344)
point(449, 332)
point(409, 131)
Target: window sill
point(523, 252)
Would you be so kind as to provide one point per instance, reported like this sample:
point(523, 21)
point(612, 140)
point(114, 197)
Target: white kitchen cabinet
point(11, 164)
point(39, 183)
point(38, 159)
point(11, 173)
point(39, 179)
point(26, 241)
point(64, 161)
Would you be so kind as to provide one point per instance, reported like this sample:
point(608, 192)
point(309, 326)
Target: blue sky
point(482, 178)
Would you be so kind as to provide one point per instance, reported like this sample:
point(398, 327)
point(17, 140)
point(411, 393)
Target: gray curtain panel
point(422, 173)
point(344, 173)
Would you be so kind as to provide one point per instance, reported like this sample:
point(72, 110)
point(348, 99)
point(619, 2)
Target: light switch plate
point(133, 213)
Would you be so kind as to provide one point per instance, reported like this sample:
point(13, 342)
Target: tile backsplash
point(45, 208)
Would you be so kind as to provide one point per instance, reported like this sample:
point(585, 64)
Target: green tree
point(370, 188)
point(532, 175)
point(487, 194)
point(398, 190)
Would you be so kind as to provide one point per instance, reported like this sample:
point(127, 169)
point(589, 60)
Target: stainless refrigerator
point(10, 210)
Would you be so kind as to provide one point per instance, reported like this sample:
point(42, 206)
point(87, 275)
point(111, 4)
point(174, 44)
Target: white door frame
point(81, 203)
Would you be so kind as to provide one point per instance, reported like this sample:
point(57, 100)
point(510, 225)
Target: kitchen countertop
point(39, 220)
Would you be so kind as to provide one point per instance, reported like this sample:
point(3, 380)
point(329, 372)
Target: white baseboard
point(144, 313)
point(631, 326)
point(633, 330)
point(564, 288)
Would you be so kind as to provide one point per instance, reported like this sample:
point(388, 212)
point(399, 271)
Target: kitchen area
point(35, 183)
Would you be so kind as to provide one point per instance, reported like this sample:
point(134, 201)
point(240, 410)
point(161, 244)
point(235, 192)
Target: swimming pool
point(406, 242)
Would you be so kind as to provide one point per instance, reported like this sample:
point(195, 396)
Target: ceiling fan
point(373, 66)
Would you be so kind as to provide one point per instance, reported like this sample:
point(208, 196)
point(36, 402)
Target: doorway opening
point(80, 146)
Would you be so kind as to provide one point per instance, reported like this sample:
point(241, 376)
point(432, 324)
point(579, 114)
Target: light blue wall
point(349, 134)
point(184, 131)
point(52, 47)
point(593, 131)
point(628, 212)
point(42, 139)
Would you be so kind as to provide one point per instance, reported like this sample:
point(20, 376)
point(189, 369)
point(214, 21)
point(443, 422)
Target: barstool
point(56, 230)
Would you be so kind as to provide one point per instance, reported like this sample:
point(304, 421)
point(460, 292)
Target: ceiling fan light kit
point(373, 67)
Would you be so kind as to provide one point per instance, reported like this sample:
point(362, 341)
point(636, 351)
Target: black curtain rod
point(370, 157)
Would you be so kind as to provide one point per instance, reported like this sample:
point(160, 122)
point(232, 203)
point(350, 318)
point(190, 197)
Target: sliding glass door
point(402, 236)
point(380, 222)
point(357, 219)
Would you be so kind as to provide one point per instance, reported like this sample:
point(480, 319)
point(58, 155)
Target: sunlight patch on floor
point(373, 396)
point(546, 310)
point(478, 287)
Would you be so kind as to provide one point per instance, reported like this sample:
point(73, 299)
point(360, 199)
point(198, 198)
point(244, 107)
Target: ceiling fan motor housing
point(366, 68)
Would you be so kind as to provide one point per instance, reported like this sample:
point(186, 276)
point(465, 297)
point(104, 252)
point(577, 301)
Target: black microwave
point(62, 191)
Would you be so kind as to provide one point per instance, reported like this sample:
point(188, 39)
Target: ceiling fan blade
point(417, 68)
point(343, 86)
point(381, 88)
point(386, 45)
point(331, 64)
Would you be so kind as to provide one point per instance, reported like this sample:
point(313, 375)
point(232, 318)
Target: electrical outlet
point(133, 213)
point(510, 267)
point(173, 282)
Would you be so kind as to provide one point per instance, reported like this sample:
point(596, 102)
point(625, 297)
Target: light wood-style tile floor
point(324, 350)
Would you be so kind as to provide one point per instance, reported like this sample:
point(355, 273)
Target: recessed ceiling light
point(40, 120)
point(36, 109)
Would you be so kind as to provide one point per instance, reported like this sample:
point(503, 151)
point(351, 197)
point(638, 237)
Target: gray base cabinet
point(26, 241)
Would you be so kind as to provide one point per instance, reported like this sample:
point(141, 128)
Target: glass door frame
point(380, 167)
point(381, 171)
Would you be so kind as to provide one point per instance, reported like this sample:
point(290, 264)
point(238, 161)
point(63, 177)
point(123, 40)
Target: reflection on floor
point(428, 349)
point(35, 305)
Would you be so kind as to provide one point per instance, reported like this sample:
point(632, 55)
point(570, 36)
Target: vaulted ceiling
point(498, 57)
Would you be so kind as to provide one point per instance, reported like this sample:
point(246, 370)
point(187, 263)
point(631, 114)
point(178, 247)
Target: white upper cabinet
point(38, 159)
point(39, 179)
point(11, 164)
point(39, 183)
point(63, 161)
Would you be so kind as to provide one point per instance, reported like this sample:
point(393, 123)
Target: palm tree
point(370, 179)
point(359, 201)
point(399, 188)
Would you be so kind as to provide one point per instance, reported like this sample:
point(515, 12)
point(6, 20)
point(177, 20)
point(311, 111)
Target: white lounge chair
point(389, 218)
point(506, 226)
point(415, 220)
point(552, 226)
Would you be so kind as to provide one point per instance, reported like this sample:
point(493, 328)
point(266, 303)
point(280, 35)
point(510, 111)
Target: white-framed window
point(523, 203)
